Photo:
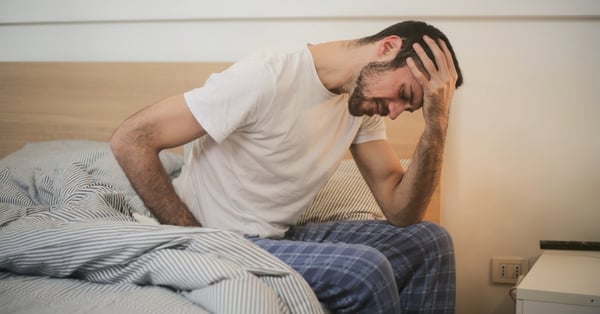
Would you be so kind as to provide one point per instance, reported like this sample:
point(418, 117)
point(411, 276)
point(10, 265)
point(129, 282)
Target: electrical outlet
point(508, 269)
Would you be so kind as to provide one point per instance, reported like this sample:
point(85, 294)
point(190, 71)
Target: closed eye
point(403, 96)
point(407, 99)
point(412, 104)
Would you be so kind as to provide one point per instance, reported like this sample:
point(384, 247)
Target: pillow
point(345, 196)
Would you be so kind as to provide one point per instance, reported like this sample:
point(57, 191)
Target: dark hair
point(412, 32)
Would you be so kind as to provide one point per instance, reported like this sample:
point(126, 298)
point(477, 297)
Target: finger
point(449, 59)
point(419, 76)
point(427, 63)
point(438, 54)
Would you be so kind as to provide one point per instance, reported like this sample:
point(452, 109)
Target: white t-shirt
point(275, 135)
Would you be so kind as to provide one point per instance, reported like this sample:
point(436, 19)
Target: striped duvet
point(69, 244)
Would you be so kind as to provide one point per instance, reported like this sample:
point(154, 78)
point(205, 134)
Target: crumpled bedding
point(69, 243)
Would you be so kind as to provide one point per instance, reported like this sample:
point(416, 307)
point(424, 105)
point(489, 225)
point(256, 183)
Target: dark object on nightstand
point(570, 245)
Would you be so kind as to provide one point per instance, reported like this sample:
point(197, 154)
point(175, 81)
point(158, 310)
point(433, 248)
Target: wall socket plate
point(507, 269)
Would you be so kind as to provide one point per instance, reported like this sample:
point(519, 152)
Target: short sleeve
point(228, 100)
point(371, 129)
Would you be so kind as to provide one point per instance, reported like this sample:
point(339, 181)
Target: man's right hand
point(439, 88)
point(136, 145)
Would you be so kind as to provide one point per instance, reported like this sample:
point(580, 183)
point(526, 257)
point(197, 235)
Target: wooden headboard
point(42, 101)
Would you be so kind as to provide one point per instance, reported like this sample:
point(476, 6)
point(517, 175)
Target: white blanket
point(66, 212)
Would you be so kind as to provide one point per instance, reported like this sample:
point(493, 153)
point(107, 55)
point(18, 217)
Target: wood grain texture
point(42, 101)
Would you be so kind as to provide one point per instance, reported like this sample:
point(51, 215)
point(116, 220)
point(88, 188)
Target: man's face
point(385, 92)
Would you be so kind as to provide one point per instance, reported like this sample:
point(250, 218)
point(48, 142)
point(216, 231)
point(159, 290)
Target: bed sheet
point(69, 243)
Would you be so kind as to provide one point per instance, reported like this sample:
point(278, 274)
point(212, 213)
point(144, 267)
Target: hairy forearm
point(415, 187)
point(413, 192)
point(153, 184)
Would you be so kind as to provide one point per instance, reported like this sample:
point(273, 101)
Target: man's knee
point(365, 280)
point(434, 237)
point(418, 248)
point(370, 263)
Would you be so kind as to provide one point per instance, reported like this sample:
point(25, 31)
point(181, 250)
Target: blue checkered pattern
point(372, 266)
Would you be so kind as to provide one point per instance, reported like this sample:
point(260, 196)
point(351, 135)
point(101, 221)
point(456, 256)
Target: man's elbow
point(120, 143)
point(405, 222)
point(407, 216)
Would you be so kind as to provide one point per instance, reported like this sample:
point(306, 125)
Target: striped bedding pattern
point(69, 243)
point(345, 196)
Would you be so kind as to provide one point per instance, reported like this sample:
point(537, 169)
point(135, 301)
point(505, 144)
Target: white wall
point(225, 30)
point(522, 154)
point(523, 151)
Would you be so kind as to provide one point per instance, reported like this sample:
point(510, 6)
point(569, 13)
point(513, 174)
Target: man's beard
point(357, 98)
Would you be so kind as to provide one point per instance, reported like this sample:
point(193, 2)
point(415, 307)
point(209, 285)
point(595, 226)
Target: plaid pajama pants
point(372, 266)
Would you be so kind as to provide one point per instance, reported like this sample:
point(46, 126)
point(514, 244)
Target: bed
point(75, 237)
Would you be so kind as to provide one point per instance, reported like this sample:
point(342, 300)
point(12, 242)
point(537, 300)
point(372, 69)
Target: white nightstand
point(566, 282)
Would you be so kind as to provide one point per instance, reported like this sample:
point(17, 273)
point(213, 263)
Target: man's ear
point(389, 46)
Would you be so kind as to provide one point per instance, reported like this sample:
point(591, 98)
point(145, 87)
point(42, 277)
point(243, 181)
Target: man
point(268, 132)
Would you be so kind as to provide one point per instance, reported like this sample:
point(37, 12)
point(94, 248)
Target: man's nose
point(395, 109)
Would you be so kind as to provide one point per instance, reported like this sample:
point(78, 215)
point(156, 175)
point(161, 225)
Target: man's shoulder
point(279, 52)
point(279, 58)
